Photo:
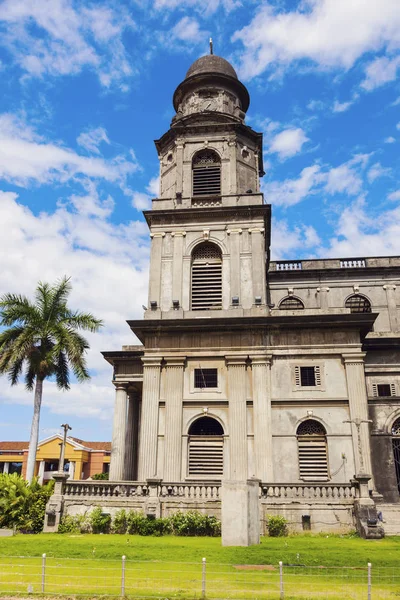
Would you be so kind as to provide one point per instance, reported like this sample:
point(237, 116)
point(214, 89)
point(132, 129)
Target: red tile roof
point(14, 446)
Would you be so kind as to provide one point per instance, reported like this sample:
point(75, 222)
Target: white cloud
point(292, 191)
point(92, 138)
point(329, 33)
point(188, 30)
point(339, 107)
point(315, 105)
point(286, 242)
point(288, 142)
point(154, 187)
point(108, 263)
point(394, 196)
point(396, 102)
point(358, 234)
point(398, 126)
point(207, 6)
point(26, 157)
point(389, 140)
point(377, 171)
point(61, 37)
point(346, 177)
point(380, 71)
point(141, 201)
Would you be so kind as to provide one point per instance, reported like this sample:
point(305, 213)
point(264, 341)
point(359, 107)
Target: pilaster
point(323, 297)
point(261, 374)
point(119, 432)
point(258, 262)
point(236, 366)
point(155, 267)
point(235, 262)
point(390, 290)
point(131, 443)
point(149, 418)
point(358, 404)
point(177, 266)
point(174, 370)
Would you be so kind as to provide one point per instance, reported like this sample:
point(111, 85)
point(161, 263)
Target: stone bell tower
point(210, 164)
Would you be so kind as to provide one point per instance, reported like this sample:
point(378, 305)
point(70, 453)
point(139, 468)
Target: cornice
point(210, 214)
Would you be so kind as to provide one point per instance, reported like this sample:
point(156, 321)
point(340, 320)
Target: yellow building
point(82, 459)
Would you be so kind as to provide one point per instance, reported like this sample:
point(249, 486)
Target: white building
point(287, 372)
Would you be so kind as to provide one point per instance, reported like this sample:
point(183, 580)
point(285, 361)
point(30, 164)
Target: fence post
point(203, 578)
point(281, 590)
point(369, 581)
point(123, 576)
point(43, 571)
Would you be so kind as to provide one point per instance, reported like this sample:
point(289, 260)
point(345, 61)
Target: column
point(118, 435)
point(232, 189)
point(71, 470)
point(358, 404)
point(131, 441)
point(41, 472)
point(392, 307)
point(258, 262)
point(235, 263)
point(155, 267)
point(237, 417)
point(173, 418)
point(261, 372)
point(6, 467)
point(177, 266)
point(147, 467)
point(323, 297)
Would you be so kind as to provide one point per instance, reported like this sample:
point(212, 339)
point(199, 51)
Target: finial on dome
point(211, 46)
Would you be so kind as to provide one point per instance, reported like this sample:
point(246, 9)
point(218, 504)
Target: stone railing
point(124, 489)
point(323, 492)
point(104, 489)
point(197, 491)
point(209, 491)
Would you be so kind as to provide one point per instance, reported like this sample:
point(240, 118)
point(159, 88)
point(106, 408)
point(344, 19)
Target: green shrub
point(193, 523)
point(120, 523)
point(277, 526)
point(101, 476)
point(138, 523)
point(100, 522)
point(23, 504)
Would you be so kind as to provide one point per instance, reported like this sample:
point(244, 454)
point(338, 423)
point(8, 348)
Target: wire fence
point(152, 579)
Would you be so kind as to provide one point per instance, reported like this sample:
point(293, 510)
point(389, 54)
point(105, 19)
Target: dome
point(211, 64)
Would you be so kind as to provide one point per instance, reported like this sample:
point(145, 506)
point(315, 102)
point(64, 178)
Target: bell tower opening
point(206, 292)
point(206, 173)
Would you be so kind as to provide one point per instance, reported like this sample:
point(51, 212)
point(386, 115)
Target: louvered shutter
point(375, 390)
point(393, 389)
point(317, 371)
point(313, 458)
point(206, 455)
point(206, 278)
point(297, 375)
point(206, 174)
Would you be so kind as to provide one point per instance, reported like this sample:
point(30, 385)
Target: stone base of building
point(316, 508)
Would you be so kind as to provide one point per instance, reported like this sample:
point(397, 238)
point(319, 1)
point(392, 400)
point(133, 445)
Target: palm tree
point(42, 340)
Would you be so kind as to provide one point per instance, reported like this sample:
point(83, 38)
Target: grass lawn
point(171, 566)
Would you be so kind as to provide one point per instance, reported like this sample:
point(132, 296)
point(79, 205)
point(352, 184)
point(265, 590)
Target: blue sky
point(87, 86)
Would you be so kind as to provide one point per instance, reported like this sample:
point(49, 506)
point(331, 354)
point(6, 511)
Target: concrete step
point(391, 518)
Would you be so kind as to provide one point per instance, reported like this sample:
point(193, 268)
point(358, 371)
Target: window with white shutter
point(206, 169)
point(313, 452)
point(307, 376)
point(383, 390)
point(206, 292)
point(206, 448)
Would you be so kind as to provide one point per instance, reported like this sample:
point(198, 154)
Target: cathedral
point(281, 374)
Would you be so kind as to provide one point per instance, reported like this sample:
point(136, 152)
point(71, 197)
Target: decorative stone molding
point(178, 234)
point(157, 235)
point(230, 231)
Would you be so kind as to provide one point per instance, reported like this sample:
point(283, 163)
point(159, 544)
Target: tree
point(42, 340)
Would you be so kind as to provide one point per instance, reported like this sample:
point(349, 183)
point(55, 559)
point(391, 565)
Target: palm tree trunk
point(33, 442)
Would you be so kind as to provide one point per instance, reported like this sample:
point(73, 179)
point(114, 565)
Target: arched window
point(206, 277)
point(396, 449)
point(206, 448)
point(291, 303)
point(312, 448)
point(206, 168)
point(358, 304)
